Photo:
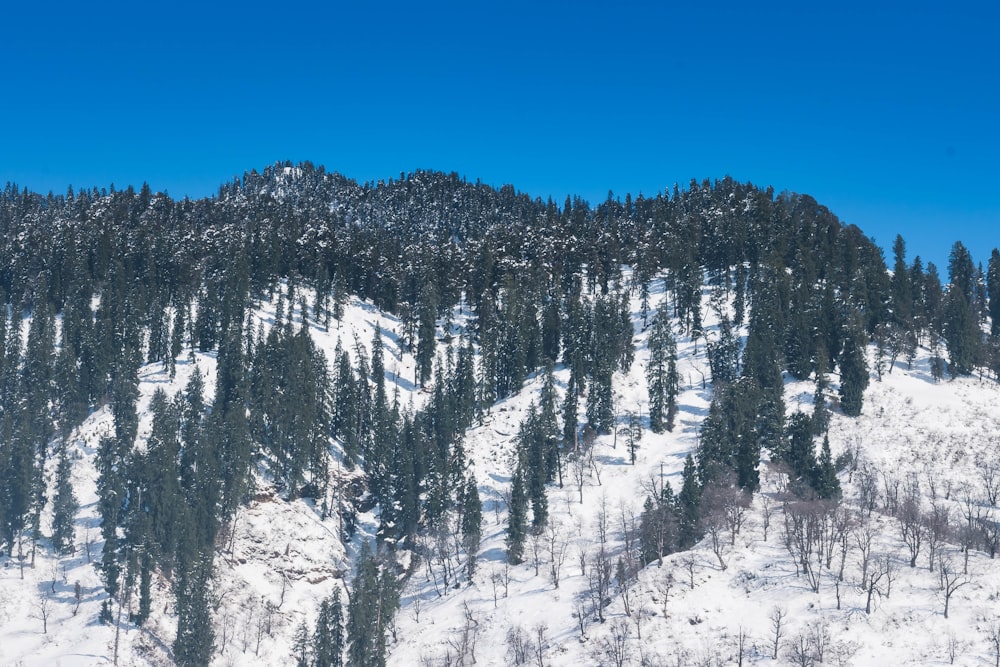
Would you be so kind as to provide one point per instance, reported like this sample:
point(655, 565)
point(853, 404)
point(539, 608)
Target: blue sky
point(887, 114)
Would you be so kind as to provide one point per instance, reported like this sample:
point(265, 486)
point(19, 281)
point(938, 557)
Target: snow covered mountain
point(427, 422)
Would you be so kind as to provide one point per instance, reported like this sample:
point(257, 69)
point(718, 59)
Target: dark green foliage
point(472, 520)
point(962, 334)
point(517, 519)
point(373, 602)
point(993, 292)
point(853, 372)
point(731, 435)
point(328, 638)
point(724, 354)
point(689, 507)
point(64, 506)
point(661, 374)
point(291, 411)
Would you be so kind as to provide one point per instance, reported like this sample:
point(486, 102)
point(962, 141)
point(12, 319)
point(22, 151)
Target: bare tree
point(77, 597)
point(911, 524)
point(867, 486)
point(639, 614)
point(800, 651)
point(778, 618)
point(864, 534)
point(615, 648)
point(950, 579)
point(938, 523)
point(688, 562)
point(993, 638)
point(541, 642)
point(519, 645)
point(664, 585)
point(989, 478)
point(558, 549)
point(42, 608)
point(879, 581)
point(578, 471)
point(766, 511)
point(600, 582)
point(536, 542)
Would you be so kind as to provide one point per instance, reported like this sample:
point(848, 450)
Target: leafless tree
point(537, 544)
point(864, 534)
point(989, 478)
point(938, 523)
point(766, 511)
point(615, 648)
point(993, 638)
point(578, 471)
point(742, 641)
point(77, 597)
point(688, 562)
point(867, 485)
point(911, 524)
point(541, 642)
point(950, 579)
point(600, 582)
point(558, 549)
point(42, 608)
point(639, 609)
point(519, 646)
point(800, 651)
point(664, 585)
point(778, 618)
point(879, 581)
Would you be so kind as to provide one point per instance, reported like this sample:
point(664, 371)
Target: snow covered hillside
point(921, 462)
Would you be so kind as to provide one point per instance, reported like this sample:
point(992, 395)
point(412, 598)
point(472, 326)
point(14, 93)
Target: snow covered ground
point(283, 559)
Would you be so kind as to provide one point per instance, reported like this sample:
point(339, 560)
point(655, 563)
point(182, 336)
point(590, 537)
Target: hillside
point(648, 432)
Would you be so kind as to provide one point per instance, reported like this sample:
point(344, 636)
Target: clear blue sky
point(886, 112)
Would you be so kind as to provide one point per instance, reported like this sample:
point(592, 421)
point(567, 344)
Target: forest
point(490, 288)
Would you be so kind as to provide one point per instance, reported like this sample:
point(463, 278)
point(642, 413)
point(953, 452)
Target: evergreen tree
point(825, 480)
point(689, 506)
point(993, 292)
point(64, 506)
point(472, 519)
point(962, 334)
point(372, 605)
point(328, 638)
point(517, 519)
point(661, 373)
point(853, 372)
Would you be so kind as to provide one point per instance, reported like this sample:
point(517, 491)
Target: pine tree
point(853, 372)
point(328, 638)
point(517, 519)
point(689, 506)
point(962, 334)
point(661, 373)
point(472, 519)
point(64, 506)
point(372, 605)
point(993, 292)
point(825, 480)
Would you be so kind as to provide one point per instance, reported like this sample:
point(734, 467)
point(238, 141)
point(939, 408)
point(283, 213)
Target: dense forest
point(99, 283)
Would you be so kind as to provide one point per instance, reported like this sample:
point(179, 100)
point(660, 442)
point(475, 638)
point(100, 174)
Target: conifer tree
point(661, 373)
point(853, 372)
point(64, 506)
point(517, 519)
point(472, 519)
point(372, 605)
point(993, 292)
point(328, 638)
point(689, 506)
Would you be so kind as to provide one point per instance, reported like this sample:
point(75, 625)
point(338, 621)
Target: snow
point(284, 558)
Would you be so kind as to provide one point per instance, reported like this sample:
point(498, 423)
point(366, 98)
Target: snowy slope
point(283, 559)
